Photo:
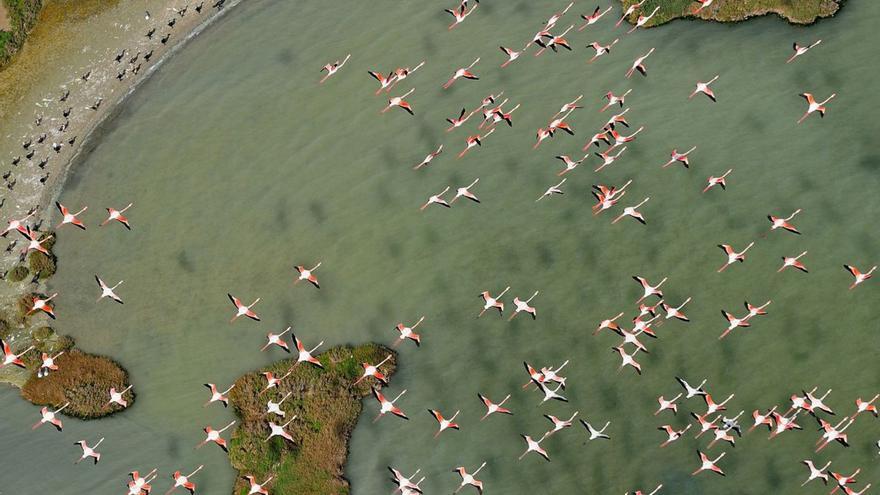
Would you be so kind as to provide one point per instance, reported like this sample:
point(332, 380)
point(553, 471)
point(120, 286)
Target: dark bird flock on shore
point(652, 310)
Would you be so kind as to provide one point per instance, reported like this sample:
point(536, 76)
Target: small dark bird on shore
point(85, 77)
point(6, 175)
point(11, 246)
point(11, 185)
point(136, 69)
point(172, 22)
point(67, 112)
point(219, 4)
point(43, 162)
point(165, 38)
point(30, 154)
point(44, 178)
point(27, 144)
point(199, 7)
point(41, 138)
point(134, 59)
point(57, 147)
point(121, 75)
point(97, 104)
point(39, 120)
point(151, 32)
point(16, 160)
point(148, 55)
point(120, 55)
point(71, 140)
point(64, 126)
point(36, 278)
point(65, 95)
point(2, 202)
point(182, 12)
point(37, 225)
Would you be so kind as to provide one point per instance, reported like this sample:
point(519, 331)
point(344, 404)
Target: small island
point(326, 403)
point(794, 11)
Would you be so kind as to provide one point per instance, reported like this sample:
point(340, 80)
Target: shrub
point(19, 273)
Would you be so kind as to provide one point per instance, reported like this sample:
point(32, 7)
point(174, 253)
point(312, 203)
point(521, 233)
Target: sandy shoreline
point(20, 111)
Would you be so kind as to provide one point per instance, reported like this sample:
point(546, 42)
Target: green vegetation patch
point(326, 404)
point(795, 11)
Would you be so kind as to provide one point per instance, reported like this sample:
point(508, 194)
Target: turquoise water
point(241, 166)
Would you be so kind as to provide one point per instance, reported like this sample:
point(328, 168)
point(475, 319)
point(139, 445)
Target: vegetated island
point(794, 11)
point(83, 380)
point(326, 403)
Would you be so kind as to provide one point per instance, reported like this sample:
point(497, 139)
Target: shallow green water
point(240, 166)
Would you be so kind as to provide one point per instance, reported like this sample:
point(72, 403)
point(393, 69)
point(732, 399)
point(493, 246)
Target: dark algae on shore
point(326, 403)
point(794, 11)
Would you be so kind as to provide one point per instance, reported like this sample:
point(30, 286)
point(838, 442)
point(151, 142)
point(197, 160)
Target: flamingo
point(632, 211)
point(70, 218)
point(456, 122)
point(596, 434)
point(608, 158)
point(620, 139)
point(558, 15)
point(306, 274)
point(474, 140)
point(278, 431)
point(47, 364)
point(559, 424)
point(703, 87)
point(444, 423)
point(276, 339)
point(863, 406)
point(717, 181)
point(384, 81)
point(629, 10)
point(552, 190)
point(18, 224)
point(795, 262)
point(842, 480)
point(437, 199)
point(673, 434)
point(371, 370)
point(813, 106)
point(11, 358)
point(783, 223)
point(569, 163)
point(511, 55)
point(464, 72)
point(89, 451)
point(492, 407)
point(387, 406)
point(732, 255)
point(550, 394)
point(601, 49)
point(403, 482)
point(113, 214)
point(765, 419)
point(859, 276)
point(272, 381)
point(35, 243)
point(430, 157)
point(733, 323)
point(466, 193)
point(258, 487)
point(800, 50)
point(461, 13)
point(643, 19)
point(116, 397)
point(675, 156)
point(305, 356)
point(628, 359)
point(524, 306)
point(676, 311)
point(553, 42)
point(275, 407)
point(657, 489)
point(691, 390)
point(648, 289)
point(619, 118)
point(703, 5)
point(469, 478)
point(594, 17)
point(402, 73)
point(534, 446)
point(756, 310)
point(615, 100)
point(398, 101)
point(492, 302)
point(214, 436)
point(40, 304)
point(707, 464)
point(668, 404)
point(181, 481)
point(140, 485)
point(609, 324)
point(48, 416)
point(409, 333)
point(107, 291)
point(216, 395)
point(332, 68)
point(242, 310)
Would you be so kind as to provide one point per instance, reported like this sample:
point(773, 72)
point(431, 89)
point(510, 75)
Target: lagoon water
point(241, 166)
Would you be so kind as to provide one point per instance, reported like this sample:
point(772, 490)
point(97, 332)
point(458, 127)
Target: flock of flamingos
point(713, 420)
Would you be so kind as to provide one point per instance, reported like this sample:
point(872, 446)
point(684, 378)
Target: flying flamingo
point(594, 433)
point(492, 302)
point(703, 5)
point(306, 274)
point(70, 218)
point(615, 100)
point(47, 364)
point(107, 291)
point(466, 193)
point(672, 434)
point(593, 18)
point(384, 82)
point(601, 49)
point(275, 407)
point(703, 87)
point(675, 312)
point(632, 211)
point(643, 19)
point(559, 424)
point(668, 404)
point(373, 370)
point(511, 55)
point(707, 464)
point(48, 416)
point(464, 72)
point(278, 430)
point(304, 355)
point(181, 481)
point(628, 359)
point(276, 339)
point(814, 106)
point(272, 381)
point(242, 310)
point(608, 158)
point(116, 397)
point(552, 190)
point(733, 323)
point(216, 395)
point(717, 181)
point(756, 310)
point(474, 140)
point(89, 451)
point(455, 123)
point(35, 243)
point(17, 224)
point(430, 157)
point(11, 358)
point(534, 446)
point(629, 10)
point(444, 423)
point(387, 406)
point(569, 163)
point(405, 483)
point(437, 199)
point(214, 436)
point(469, 478)
point(258, 487)
point(609, 126)
point(763, 418)
point(610, 324)
point(783, 223)
point(140, 485)
point(859, 276)
point(524, 306)
point(648, 289)
point(675, 156)
point(800, 50)
point(492, 407)
point(866, 406)
point(40, 304)
point(333, 67)
point(461, 13)
point(795, 262)
point(553, 42)
point(398, 101)
point(408, 333)
point(732, 255)
point(117, 215)
point(402, 73)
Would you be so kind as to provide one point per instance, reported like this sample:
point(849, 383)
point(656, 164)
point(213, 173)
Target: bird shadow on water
point(318, 212)
point(184, 261)
point(285, 56)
